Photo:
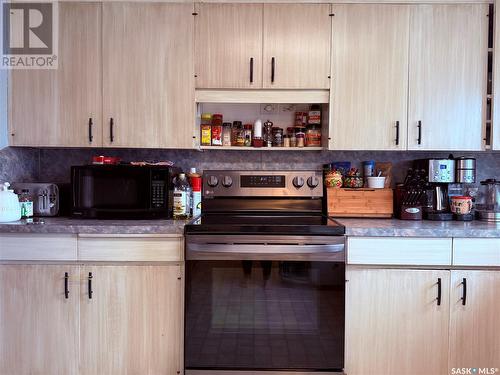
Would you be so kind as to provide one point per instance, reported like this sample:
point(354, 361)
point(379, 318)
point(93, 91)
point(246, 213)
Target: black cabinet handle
point(419, 126)
point(251, 69)
point(439, 292)
point(397, 133)
point(66, 286)
point(91, 137)
point(273, 65)
point(90, 285)
point(111, 134)
point(464, 291)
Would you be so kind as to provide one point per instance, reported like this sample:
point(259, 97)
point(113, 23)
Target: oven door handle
point(260, 251)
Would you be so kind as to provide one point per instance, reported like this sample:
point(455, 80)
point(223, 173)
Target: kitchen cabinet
point(132, 323)
point(475, 322)
point(62, 107)
point(369, 77)
point(38, 324)
point(228, 46)
point(269, 46)
point(395, 323)
point(296, 50)
point(148, 75)
point(447, 76)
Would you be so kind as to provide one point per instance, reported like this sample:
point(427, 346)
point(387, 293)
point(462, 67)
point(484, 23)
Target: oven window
point(265, 315)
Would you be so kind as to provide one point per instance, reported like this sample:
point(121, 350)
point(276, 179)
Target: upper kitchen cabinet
point(148, 75)
point(229, 46)
point(62, 107)
point(270, 46)
point(296, 46)
point(447, 84)
point(370, 77)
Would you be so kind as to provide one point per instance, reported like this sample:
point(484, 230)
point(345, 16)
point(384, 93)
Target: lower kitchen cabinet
point(397, 321)
point(475, 321)
point(123, 320)
point(38, 322)
point(130, 320)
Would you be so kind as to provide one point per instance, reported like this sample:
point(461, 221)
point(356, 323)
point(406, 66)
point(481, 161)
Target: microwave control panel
point(158, 198)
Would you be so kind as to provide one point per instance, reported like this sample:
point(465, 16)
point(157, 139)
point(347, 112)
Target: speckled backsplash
point(28, 164)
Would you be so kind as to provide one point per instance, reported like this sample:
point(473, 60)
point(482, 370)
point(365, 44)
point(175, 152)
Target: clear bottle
point(182, 194)
point(26, 202)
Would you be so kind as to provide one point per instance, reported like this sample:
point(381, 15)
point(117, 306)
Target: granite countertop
point(69, 225)
point(409, 228)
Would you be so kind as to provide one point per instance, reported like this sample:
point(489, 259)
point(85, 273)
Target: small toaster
point(45, 197)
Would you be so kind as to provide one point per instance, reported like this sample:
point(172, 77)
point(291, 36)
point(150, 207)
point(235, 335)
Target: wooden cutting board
point(375, 203)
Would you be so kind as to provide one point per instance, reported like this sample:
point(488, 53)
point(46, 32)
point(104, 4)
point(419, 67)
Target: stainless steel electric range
point(265, 277)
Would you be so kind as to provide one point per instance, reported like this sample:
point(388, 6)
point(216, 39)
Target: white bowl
point(376, 182)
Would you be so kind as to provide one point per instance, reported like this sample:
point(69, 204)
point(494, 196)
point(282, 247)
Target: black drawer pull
point(439, 292)
point(273, 66)
point(419, 126)
point(111, 133)
point(397, 133)
point(91, 137)
point(464, 291)
point(251, 69)
point(90, 285)
point(66, 285)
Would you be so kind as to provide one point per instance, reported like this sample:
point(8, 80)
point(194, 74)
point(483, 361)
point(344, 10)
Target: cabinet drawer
point(476, 252)
point(30, 246)
point(399, 251)
point(131, 248)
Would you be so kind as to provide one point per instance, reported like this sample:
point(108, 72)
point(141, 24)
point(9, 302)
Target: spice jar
point(248, 134)
point(234, 132)
point(277, 137)
point(286, 140)
point(226, 133)
point(313, 136)
point(217, 130)
point(300, 139)
point(206, 129)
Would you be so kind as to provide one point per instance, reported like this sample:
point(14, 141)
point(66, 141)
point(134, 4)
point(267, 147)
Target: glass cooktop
point(292, 224)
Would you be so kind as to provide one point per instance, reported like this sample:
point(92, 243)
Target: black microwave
point(121, 191)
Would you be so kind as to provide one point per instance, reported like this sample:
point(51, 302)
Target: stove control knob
point(212, 181)
point(312, 182)
point(227, 181)
point(298, 182)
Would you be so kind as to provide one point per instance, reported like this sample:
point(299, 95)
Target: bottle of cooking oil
point(182, 194)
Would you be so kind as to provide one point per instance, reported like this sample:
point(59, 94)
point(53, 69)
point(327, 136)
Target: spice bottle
point(226, 133)
point(216, 129)
point(235, 132)
point(248, 135)
point(182, 193)
point(26, 202)
point(206, 129)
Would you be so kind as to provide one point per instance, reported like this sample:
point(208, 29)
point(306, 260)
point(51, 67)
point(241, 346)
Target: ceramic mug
point(461, 205)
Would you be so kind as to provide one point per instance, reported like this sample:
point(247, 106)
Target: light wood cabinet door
point(369, 77)
point(296, 46)
point(475, 325)
point(148, 75)
point(133, 322)
point(228, 46)
point(38, 325)
point(394, 325)
point(57, 107)
point(448, 67)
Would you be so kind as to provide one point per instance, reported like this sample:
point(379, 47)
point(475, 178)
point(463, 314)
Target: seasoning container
point(268, 133)
point(277, 137)
point(234, 132)
point(286, 140)
point(206, 129)
point(293, 141)
point(314, 116)
point(313, 136)
point(247, 135)
point(226, 133)
point(216, 129)
point(300, 118)
point(257, 140)
point(300, 139)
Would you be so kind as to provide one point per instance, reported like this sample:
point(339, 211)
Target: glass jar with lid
point(206, 129)
point(226, 133)
point(247, 134)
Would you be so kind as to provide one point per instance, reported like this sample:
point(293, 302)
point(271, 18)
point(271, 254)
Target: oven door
point(264, 303)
